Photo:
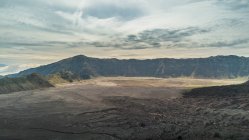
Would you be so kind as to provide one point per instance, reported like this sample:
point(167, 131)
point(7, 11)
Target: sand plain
point(129, 108)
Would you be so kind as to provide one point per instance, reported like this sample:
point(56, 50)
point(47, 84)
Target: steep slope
point(220, 91)
point(212, 67)
point(29, 82)
point(63, 77)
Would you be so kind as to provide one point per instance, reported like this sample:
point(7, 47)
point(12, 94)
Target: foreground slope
point(123, 109)
point(29, 82)
point(220, 91)
point(36, 81)
point(212, 67)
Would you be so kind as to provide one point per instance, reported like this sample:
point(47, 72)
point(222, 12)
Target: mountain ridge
point(219, 91)
point(231, 66)
point(29, 82)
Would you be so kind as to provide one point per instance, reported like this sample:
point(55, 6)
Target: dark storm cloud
point(233, 43)
point(177, 38)
point(216, 44)
point(152, 38)
point(167, 38)
point(155, 38)
point(162, 35)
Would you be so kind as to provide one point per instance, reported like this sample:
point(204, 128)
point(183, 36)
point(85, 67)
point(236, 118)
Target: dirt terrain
point(124, 109)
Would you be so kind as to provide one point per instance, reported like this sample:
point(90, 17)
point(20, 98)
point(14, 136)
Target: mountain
point(220, 91)
point(29, 82)
point(211, 67)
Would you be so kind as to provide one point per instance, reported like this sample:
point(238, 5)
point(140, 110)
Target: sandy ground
point(124, 108)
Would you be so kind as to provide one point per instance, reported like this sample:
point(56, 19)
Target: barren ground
point(124, 108)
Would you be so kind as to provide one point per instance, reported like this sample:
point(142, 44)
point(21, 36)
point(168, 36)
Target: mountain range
point(85, 67)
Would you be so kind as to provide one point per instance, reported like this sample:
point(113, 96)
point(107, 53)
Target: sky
point(39, 32)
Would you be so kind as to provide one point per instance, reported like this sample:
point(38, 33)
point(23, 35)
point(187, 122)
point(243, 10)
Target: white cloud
point(43, 31)
point(15, 68)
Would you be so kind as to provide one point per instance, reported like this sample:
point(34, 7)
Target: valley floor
point(124, 108)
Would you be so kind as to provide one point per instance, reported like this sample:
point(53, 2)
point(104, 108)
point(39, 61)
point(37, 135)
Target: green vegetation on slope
point(63, 77)
point(36, 81)
point(29, 82)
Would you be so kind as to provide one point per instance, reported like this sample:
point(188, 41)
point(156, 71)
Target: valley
point(124, 70)
point(138, 108)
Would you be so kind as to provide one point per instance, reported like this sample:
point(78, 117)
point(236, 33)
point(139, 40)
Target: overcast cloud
point(36, 32)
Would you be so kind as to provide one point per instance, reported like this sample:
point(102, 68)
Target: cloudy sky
point(38, 32)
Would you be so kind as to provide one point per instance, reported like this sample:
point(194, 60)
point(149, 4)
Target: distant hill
point(29, 82)
point(211, 67)
point(35, 81)
point(220, 91)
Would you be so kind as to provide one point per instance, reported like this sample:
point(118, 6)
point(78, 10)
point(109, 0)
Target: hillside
point(220, 91)
point(63, 77)
point(35, 81)
point(211, 67)
point(29, 82)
